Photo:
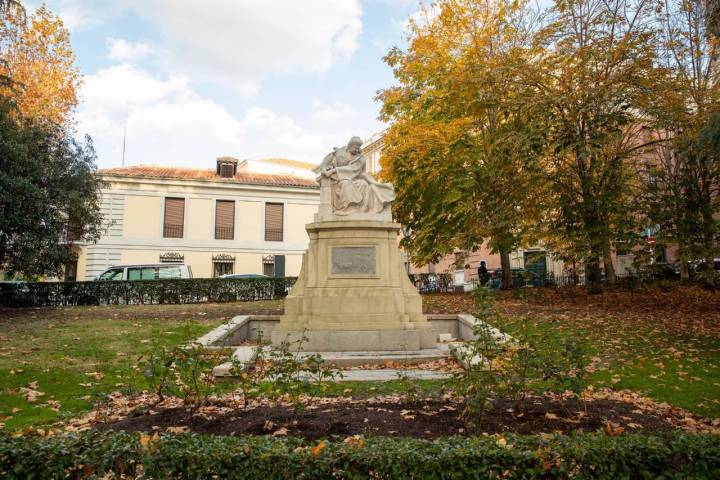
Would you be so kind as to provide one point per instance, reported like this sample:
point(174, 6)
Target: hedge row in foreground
point(190, 290)
point(92, 454)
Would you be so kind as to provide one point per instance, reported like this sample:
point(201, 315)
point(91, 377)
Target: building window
point(223, 265)
point(269, 265)
point(274, 265)
point(174, 218)
point(274, 222)
point(224, 219)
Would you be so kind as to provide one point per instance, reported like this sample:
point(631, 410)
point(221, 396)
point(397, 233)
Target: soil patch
point(425, 419)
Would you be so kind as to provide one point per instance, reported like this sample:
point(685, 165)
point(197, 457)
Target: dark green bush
point(596, 456)
point(191, 290)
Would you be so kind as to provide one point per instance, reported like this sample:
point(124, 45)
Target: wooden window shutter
point(224, 219)
point(274, 222)
point(174, 218)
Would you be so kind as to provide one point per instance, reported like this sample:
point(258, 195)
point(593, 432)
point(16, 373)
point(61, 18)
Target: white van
point(157, 271)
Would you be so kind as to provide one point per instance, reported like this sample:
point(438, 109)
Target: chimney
point(227, 167)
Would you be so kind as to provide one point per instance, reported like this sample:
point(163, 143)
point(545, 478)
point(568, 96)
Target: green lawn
point(670, 352)
point(78, 354)
point(665, 345)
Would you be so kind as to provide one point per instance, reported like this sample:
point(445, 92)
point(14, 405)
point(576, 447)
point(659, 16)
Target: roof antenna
point(123, 146)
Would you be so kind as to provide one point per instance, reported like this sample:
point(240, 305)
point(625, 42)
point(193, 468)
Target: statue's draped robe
point(355, 190)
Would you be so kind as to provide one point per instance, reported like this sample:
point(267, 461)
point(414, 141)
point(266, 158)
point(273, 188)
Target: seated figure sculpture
point(347, 187)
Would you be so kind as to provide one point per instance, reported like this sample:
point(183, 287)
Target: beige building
point(217, 221)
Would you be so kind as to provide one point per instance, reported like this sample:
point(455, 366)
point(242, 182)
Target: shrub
point(189, 456)
point(166, 291)
point(500, 367)
point(184, 371)
point(291, 375)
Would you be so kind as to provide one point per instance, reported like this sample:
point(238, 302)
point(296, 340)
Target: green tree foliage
point(47, 187)
point(459, 150)
point(578, 127)
point(590, 88)
point(681, 196)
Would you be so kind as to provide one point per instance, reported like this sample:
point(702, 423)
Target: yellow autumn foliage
point(39, 61)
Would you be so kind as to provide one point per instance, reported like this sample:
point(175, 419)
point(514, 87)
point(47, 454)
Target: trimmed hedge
point(191, 290)
point(597, 456)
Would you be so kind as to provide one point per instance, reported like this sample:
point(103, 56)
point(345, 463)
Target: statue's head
point(354, 146)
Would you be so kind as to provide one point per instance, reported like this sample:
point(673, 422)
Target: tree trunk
point(593, 276)
point(607, 260)
point(507, 282)
point(684, 272)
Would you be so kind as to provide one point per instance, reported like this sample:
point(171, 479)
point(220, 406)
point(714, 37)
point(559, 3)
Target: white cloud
point(331, 112)
point(169, 124)
point(124, 51)
point(78, 14)
point(240, 41)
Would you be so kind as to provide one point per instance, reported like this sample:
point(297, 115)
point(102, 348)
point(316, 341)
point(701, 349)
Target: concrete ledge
point(359, 340)
point(242, 358)
point(215, 337)
point(352, 348)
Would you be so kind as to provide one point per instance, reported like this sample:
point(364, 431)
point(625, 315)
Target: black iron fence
point(167, 291)
point(432, 282)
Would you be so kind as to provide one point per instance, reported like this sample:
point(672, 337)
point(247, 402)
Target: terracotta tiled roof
point(249, 178)
point(286, 162)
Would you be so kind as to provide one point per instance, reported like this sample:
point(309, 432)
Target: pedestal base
point(353, 292)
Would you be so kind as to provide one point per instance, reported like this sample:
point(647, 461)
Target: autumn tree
point(682, 194)
point(589, 85)
point(48, 186)
point(459, 150)
point(38, 60)
point(712, 17)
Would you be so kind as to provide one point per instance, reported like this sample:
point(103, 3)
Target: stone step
point(352, 359)
point(385, 374)
point(345, 359)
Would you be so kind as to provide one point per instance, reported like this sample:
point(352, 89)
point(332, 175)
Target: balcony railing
point(224, 233)
point(172, 231)
point(273, 234)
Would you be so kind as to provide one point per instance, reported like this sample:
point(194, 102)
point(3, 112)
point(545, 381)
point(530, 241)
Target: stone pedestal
point(353, 292)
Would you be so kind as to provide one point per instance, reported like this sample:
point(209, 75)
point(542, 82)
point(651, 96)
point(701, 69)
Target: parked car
point(243, 275)
point(159, 271)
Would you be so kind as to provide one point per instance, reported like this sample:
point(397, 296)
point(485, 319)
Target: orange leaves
point(317, 449)
point(613, 429)
point(149, 442)
point(40, 62)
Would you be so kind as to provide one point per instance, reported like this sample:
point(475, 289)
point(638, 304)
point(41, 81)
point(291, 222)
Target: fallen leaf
point(356, 441)
point(268, 426)
point(280, 432)
point(176, 430)
point(317, 449)
point(613, 430)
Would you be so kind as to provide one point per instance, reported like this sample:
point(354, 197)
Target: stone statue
point(347, 189)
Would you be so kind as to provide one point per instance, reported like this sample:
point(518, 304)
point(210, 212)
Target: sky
point(195, 80)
